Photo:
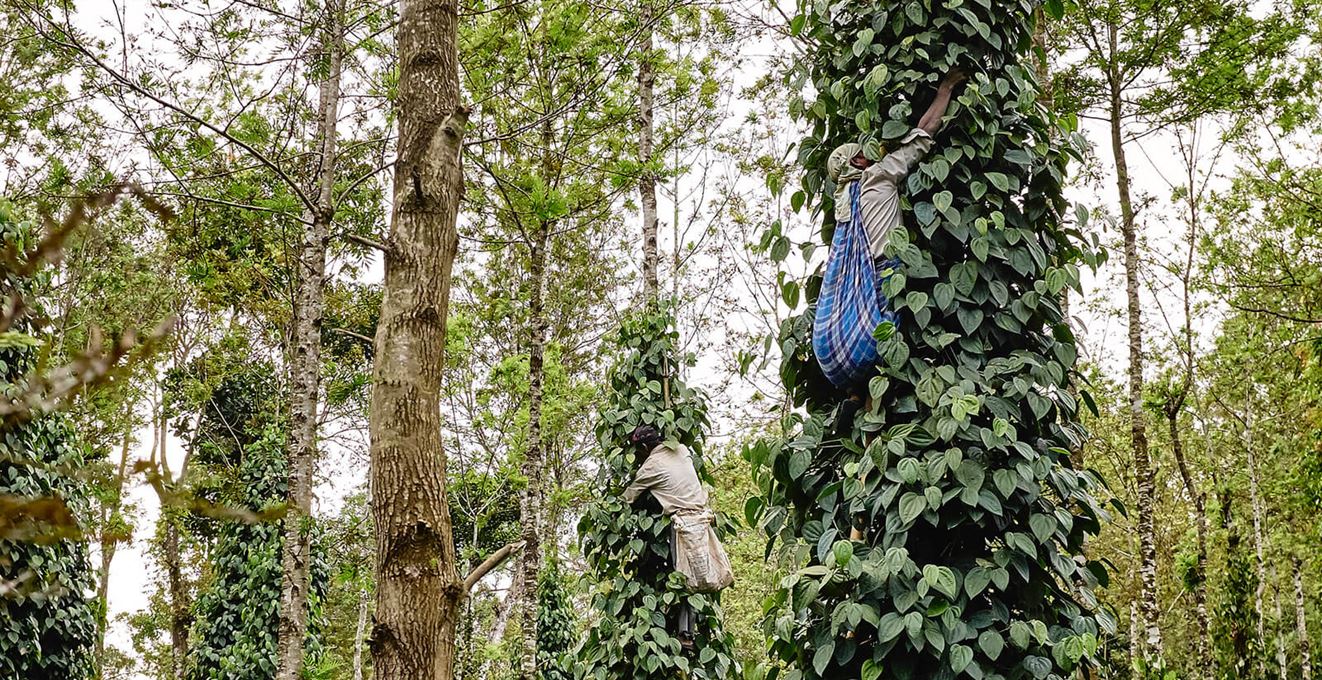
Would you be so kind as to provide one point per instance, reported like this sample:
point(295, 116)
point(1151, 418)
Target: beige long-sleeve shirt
point(879, 193)
point(670, 476)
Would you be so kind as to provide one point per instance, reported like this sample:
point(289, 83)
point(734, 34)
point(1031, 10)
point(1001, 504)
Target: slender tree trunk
point(110, 539)
point(1200, 558)
point(647, 178)
point(508, 610)
point(418, 593)
point(305, 368)
point(1148, 608)
point(1135, 636)
point(1255, 503)
point(1301, 623)
point(360, 634)
point(530, 559)
point(1175, 406)
point(180, 605)
point(1280, 631)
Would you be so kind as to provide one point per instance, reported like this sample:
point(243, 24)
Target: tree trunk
point(647, 178)
point(1280, 632)
point(1148, 608)
point(305, 367)
point(1255, 503)
point(360, 634)
point(418, 591)
point(180, 606)
point(1200, 559)
point(110, 543)
point(1301, 623)
point(530, 561)
point(506, 609)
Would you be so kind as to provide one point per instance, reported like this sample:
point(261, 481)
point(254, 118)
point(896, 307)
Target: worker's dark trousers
point(686, 614)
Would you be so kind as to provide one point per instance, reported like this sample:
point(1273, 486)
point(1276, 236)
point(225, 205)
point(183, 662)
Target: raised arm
point(647, 477)
point(931, 120)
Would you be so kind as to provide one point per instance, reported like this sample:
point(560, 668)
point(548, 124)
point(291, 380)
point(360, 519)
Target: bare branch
point(364, 241)
point(351, 334)
point(66, 39)
point(497, 558)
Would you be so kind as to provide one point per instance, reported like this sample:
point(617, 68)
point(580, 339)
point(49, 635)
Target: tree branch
point(364, 241)
point(1279, 315)
point(356, 336)
point(497, 558)
point(70, 42)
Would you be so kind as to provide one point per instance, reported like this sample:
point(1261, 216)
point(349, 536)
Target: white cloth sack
point(699, 555)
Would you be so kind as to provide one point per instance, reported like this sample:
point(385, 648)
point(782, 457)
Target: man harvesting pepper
point(867, 209)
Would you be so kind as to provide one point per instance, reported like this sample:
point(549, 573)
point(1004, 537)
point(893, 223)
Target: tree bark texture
point(305, 366)
point(1281, 660)
point(647, 178)
point(534, 462)
point(1148, 608)
point(1301, 623)
point(418, 591)
point(530, 561)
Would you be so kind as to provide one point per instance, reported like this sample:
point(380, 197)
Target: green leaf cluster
point(1236, 648)
point(972, 513)
point(556, 631)
point(636, 597)
point(47, 624)
point(237, 613)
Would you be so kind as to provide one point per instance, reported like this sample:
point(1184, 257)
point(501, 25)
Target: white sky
point(1103, 331)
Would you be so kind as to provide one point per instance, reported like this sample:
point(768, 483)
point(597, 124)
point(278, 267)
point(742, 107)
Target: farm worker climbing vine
point(638, 590)
point(666, 475)
point(941, 536)
point(867, 209)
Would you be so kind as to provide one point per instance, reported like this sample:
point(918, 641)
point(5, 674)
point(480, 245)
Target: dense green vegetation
point(961, 473)
point(637, 595)
point(1094, 442)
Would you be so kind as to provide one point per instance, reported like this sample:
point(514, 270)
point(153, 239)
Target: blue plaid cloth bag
point(850, 306)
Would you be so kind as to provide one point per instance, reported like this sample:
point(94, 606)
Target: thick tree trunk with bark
point(305, 366)
point(647, 178)
point(1148, 608)
point(1301, 623)
point(418, 593)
